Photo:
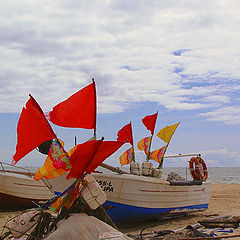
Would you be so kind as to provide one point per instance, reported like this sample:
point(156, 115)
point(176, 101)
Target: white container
point(157, 173)
point(92, 193)
point(147, 168)
point(134, 168)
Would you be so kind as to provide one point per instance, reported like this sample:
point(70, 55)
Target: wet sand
point(224, 200)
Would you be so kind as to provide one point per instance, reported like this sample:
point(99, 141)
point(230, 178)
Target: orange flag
point(32, 130)
point(157, 155)
point(56, 163)
point(78, 111)
point(144, 145)
point(127, 157)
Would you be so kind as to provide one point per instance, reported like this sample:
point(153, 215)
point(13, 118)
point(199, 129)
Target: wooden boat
point(18, 189)
point(131, 197)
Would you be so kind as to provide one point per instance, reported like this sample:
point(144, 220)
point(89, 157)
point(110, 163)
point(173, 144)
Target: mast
point(148, 156)
point(95, 120)
point(160, 165)
point(132, 144)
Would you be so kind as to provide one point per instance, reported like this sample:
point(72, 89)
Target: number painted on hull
point(105, 185)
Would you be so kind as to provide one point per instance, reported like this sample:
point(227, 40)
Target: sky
point(177, 57)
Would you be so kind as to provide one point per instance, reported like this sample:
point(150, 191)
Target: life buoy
point(198, 168)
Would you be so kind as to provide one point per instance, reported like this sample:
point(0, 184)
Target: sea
point(215, 174)
point(226, 175)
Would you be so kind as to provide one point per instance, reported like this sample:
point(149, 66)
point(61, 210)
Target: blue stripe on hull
point(121, 212)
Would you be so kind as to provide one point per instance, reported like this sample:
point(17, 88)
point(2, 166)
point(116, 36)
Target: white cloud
point(52, 49)
point(229, 115)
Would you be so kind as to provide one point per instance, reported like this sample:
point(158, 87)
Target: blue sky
point(180, 58)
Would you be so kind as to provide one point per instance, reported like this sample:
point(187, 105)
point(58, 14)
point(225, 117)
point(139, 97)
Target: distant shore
point(224, 200)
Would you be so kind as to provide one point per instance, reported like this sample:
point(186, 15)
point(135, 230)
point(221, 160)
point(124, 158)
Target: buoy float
point(198, 168)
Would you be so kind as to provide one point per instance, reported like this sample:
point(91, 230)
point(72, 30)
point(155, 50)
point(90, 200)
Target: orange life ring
point(198, 168)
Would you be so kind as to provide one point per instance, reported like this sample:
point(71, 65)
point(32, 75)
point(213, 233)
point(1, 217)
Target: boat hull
point(131, 197)
point(18, 191)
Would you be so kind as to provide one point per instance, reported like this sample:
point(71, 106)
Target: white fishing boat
point(18, 190)
point(131, 197)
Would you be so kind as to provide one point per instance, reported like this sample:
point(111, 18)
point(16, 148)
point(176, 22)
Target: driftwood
point(232, 222)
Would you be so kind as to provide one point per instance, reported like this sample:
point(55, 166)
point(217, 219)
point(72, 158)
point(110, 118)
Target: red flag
point(33, 102)
point(125, 134)
point(150, 121)
point(78, 111)
point(89, 155)
point(32, 130)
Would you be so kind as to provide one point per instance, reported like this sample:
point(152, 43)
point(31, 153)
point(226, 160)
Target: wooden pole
point(160, 165)
point(184, 155)
point(95, 99)
point(113, 169)
point(133, 144)
point(148, 156)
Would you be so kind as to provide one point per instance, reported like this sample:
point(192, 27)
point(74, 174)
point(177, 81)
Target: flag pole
point(132, 144)
point(148, 156)
point(149, 153)
point(160, 165)
point(94, 154)
point(95, 120)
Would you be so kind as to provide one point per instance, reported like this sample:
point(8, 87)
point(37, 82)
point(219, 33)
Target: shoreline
point(224, 200)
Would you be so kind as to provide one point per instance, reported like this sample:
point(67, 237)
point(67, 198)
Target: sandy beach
point(224, 200)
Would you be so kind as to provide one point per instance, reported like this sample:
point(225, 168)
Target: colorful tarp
point(127, 157)
point(32, 130)
point(56, 163)
point(78, 111)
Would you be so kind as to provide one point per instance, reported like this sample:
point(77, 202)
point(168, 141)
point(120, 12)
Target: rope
point(106, 217)
point(46, 223)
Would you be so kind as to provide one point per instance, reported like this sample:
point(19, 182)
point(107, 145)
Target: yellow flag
point(166, 133)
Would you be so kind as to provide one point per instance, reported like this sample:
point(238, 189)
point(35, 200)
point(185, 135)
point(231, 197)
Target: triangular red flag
point(32, 130)
point(89, 155)
point(125, 134)
point(150, 121)
point(78, 111)
point(105, 150)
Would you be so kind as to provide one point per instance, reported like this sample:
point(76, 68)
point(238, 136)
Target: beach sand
point(224, 200)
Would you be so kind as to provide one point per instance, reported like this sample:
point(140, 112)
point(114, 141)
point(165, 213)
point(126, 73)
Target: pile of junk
point(77, 213)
